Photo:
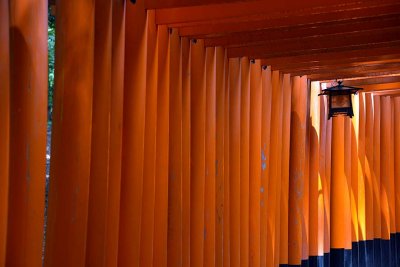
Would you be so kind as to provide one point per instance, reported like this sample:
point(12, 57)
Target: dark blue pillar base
point(385, 253)
point(354, 254)
point(316, 261)
point(341, 257)
point(377, 252)
point(369, 259)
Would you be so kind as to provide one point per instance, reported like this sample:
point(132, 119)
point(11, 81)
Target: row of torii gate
point(168, 150)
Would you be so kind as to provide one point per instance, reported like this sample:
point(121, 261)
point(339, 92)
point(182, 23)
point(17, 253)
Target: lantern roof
point(340, 89)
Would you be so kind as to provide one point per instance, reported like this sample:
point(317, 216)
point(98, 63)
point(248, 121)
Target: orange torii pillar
point(106, 151)
point(4, 125)
point(226, 257)
point(362, 184)
point(392, 183)
point(175, 199)
point(255, 162)
point(133, 135)
point(160, 238)
point(284, 202)
point(340, 195)
point(377, 178)
point(352, 164)
point(385, 179)
point(197, 156)
point(72, 124)
point(369, 190)
point(244, 159)
point(149, 162)
point(316, 179)
point(265, 155)
point(297, 168)
point(275, 169)
point(185, 51)
point(220, 169)
point(209, 205)
point(26, 99)
point(396, 145)
point(234, 160)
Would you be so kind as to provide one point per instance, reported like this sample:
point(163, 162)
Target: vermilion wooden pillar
point(227, 159)
point(353, 166)
point(255, 162)
point(149, 162)
point(377, 179)
point(369, 174)
point(297, 169)
point(234, 160)
point(161, 182)
point(71, 142)
point(385, 178)
point(27, 132)
point(328, 186)
point(392, 201)
point(316, 178)
point(99, 171)
point(175, 192)
point(284, 202)
point(4, 124)
point(275, 161)
point(197, 156)
point(362, 187)
point(244, 160)
point(210, 175)
point(340, 195)
point(186, 148)
point(396, 145)
point(116, 121)
point(220, 157)
point(133, 135)
point(265, 155)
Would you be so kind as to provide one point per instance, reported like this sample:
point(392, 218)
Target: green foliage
point(51, 30)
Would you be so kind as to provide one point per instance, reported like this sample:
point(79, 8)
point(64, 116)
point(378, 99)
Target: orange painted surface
point(297, 170)
point(284, 201)
point(161, 183)
point(327, 192)
point(255, 163)
point(376, 170)
point(316, 176)
point(385, 166)
point(227, 206)
point(197, 156)
point(369, 167)
point(175, 204)
point(340, 217)
point(234, 160)
point(210, 169)
point(306, 190)
point(71, 142)
point(116, 122)
point(4, 125)
point(221, 191)
point(133, 135)
point(361, 177)
point(265, 155)
point(353, 166)
point(392, 188)
point(150, 146)
point(100, 146)
point(275, 159)
point(396, 136)
point(185, 52)
point(244, 160)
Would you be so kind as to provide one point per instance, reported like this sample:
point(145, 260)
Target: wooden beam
point(372, 81)
point(155, 4)
point(330, 43)
point(257, 21)
point(331, 76)
point(301, 31)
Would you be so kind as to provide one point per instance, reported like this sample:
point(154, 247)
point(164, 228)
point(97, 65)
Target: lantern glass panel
point(341, 101)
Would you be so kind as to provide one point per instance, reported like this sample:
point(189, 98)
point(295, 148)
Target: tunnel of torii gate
point(191, 133)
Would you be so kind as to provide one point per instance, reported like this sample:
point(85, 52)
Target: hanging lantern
point(339, 99)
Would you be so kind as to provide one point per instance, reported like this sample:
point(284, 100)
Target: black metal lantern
point(339, 99)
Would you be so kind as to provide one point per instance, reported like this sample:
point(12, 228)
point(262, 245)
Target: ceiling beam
point(330, 43)
point(383, 53)
point(155, 4)
point(301, 31)
point(210, 28)
point(333, 76)
point(381, 87)
point(372, 81)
